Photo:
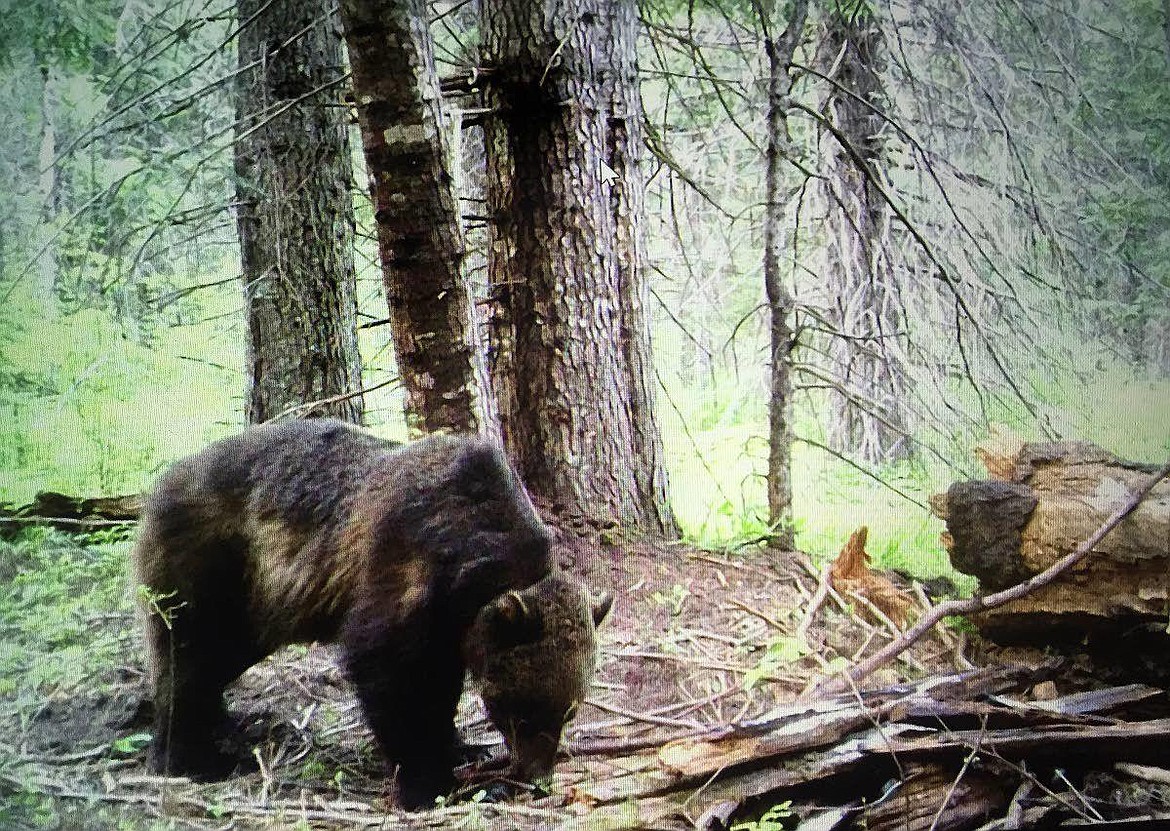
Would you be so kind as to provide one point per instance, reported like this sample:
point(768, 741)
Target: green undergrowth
point(719, 495)
point(96, 408)
point(66, 616)
point(717, 457)
point(92, 406)
point(66, 630)
point(24, 807)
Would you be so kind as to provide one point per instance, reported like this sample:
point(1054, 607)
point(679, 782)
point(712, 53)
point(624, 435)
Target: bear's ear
point(480, 471)
point(515, 621)
point(601, 606)
point(511, 608)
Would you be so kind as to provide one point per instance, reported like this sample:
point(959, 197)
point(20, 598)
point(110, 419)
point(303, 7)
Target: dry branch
point(815, 603)
point(933, 737)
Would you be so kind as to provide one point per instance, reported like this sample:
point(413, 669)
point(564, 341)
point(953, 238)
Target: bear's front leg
point(187, 721)
point(409, 689)
point(189, 677)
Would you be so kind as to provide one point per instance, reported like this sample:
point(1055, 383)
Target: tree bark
point(1166, 29)
point(295, 214)
point(625, 140)
point(867, 415)
point(48, 184)
point(570, 359)
point(420, 238)
point(779, 48)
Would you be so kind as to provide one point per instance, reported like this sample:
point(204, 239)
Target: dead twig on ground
point(645, 717)
point(817, 601)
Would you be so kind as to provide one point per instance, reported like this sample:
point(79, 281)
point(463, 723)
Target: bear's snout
point(534, 754)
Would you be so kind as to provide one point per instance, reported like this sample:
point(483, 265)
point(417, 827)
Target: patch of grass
point(24, 807)
point(104, 409)
point(718, 492)
point(1119, 410)
point(839, 499)
point(110, 408)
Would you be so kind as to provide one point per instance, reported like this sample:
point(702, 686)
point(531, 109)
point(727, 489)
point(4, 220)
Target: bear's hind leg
point(195, 654)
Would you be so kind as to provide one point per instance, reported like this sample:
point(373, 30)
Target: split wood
point(856, 674)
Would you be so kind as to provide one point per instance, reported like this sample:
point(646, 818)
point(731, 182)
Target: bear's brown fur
point(421, 560)
point(533, 652)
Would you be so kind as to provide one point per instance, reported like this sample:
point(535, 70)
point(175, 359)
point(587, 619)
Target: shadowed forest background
point(745, 272)
point(973, 231)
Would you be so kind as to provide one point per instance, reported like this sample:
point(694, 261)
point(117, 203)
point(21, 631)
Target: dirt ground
point(695, 639)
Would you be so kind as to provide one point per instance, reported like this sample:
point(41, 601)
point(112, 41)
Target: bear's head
point(533, 653)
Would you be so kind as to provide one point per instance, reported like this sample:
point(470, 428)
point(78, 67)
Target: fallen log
point(982, 603)
point(1008, 528)
point(73, 514)
point(798, 727)
point(1058, 744)
point(49, 504)
point(1044, 499)
point(932, 798)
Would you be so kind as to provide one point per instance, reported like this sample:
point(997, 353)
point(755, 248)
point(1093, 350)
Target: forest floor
point(696, 640)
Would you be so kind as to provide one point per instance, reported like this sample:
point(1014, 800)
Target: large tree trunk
point(625, 141)
point(417, 211)
point(569, 348)
point(295, 214)
point(867, 414)
point(779, 47)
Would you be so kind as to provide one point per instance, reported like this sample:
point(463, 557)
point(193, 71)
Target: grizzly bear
point(422, 561)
